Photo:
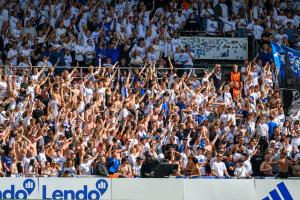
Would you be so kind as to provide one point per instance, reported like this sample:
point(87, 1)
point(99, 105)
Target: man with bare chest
point(284, 165)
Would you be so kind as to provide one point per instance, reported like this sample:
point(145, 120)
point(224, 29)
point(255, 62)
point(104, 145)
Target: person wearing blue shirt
point(7, 161)
point(265, 56)
point(272, 125)
point(112, 53)
point(201, 117)
point(165, 107)
point(113, 164)
point(183, 145)
point(100, 53)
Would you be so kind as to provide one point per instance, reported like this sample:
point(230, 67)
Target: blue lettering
point(9, 194)
point(94, 195)
point(82, 194)
point(57, 194)
point(69, 192)
point(44, 189)
point(12, 193)
point(21, 194)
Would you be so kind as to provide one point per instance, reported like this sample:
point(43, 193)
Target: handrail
point(81, 68)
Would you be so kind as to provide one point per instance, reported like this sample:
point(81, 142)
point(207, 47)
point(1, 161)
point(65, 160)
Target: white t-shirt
point(236, 5)
point(187, 59)
point(219, 168)
point(240, 171)
point(224, 10)
point(257, 30)
point(295, 143)
point(13, 55)
point(85, 168)
point(89, 52)
point(254, 78)
point(212, 27)
point(280, 120)
point(175, 43)
point(180, 19)
point(262, 130)
point(279, 37)
point(88, 94)
point(79, 51)
point(3, 89)
point(42, 157)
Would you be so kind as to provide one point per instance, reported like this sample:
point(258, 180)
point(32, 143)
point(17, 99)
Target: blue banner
point(279, 56)
point(282, 54)
point(293, 57)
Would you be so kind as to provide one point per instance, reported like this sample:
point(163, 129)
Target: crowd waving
point(117, 121)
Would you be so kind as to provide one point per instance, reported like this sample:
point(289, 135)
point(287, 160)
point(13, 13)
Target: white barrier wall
point(148, 189)
point(226, 189)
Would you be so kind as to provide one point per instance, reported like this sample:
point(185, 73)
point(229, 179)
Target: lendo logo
point(83, 194)
point(13, 193)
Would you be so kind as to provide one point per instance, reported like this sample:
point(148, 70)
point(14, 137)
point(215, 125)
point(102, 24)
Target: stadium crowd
point(120, 122)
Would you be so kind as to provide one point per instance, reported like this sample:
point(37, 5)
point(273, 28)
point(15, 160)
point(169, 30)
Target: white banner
point(74, 188)
point(217, 47)
point(147, 189)
point(218, 189)
point(269, 189)
point(19, 188)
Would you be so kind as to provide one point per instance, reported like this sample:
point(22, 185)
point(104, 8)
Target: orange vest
point(235, 77)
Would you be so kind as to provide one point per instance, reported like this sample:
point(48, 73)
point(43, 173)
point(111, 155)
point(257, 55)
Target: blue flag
point(279, 57)
point(283, 53)
point(293, 58)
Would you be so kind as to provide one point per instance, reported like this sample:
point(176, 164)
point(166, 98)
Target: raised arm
point(43, 69)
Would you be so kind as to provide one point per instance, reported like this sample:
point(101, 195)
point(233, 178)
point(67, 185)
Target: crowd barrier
point(149, 189)
point(82, 70)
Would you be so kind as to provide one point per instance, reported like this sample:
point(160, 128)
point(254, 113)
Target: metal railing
point(83, 70)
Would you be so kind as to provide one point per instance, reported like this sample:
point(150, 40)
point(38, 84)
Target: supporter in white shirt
point(180, 19)
point(224, 8)
point(178, 56)
point(120, 7)
point(281, 17)
point(236, 5)
point(219, 168)
point(79, 51)
point(296, 17)
point(296, 142)
point(16, 32)
point(26, 51)
point(256, 29)
point(89, 52)
point(229, 25)
point(175, 41)
point(212, 26)
point(188, 57)
point(240, 170)
point(85, 166)
point(12, 55)
point(262, 129)
point(3, 89)
point(279, 36)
